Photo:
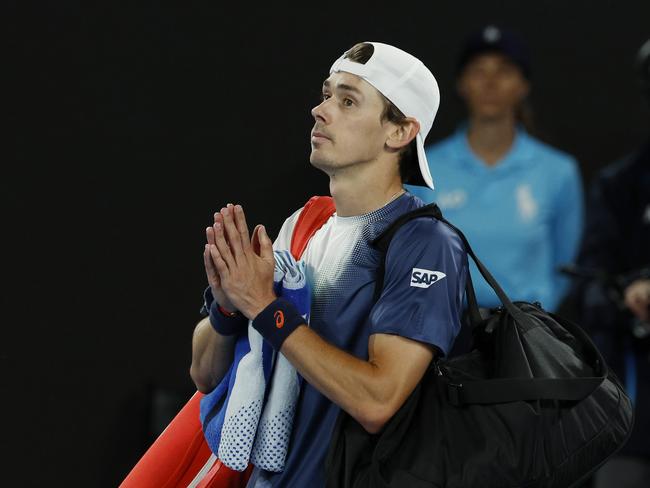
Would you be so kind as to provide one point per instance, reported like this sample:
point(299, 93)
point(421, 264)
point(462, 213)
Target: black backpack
point(532, 405)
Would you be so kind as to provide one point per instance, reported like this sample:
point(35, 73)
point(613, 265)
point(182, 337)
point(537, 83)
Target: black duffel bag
point(532, 405)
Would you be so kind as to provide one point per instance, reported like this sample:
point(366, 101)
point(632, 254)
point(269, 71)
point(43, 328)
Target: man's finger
point(266, 245)
point(242, 227)
point(218, 218)
point(209, 235)
point(210, 269)
point(222, 246)
point(219, 262)
point(231, 232)
point(255, 240)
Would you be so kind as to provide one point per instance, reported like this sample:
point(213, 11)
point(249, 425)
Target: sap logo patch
point(424, 278)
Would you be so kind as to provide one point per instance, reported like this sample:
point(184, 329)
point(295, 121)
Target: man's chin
point(320, 163)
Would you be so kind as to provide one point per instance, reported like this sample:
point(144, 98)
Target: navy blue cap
point(495, 39)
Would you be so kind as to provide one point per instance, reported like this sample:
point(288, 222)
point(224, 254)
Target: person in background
point(518, 200)
point(614, 298)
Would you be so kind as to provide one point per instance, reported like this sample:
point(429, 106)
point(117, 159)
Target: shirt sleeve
point(424, 285)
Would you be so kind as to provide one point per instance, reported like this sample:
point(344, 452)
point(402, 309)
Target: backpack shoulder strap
point(382, 241)
point(314, 214)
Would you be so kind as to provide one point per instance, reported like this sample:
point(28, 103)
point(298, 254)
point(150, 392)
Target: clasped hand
point(239, 268)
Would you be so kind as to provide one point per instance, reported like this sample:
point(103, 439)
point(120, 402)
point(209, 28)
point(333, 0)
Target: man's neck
point(491, 139)
point(359, 194)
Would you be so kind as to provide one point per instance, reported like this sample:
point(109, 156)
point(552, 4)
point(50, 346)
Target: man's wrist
point(277, 321)
point(224, 322)
point(226, 312)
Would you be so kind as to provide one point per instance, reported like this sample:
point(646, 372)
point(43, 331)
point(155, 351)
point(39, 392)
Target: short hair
point(361, 53)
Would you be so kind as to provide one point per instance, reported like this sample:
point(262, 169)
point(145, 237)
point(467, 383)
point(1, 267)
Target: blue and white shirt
point(523, 216)
point(423, 293)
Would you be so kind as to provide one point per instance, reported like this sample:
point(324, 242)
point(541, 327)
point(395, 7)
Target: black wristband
point(226, 324)
point(277, 321)
point(223, 324)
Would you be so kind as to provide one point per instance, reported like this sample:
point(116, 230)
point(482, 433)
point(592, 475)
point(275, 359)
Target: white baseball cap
point(408, 84)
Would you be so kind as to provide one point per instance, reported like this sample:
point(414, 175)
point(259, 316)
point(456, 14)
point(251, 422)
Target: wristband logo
point(279, 318)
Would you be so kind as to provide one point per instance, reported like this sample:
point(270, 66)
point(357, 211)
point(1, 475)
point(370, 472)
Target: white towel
point(256, 429)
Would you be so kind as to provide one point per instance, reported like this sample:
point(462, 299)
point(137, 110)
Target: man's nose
point(319, 112)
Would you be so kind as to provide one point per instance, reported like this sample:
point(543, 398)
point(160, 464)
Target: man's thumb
point(266, 245)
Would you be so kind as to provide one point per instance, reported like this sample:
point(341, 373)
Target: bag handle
point(526, 389)
point(487, 276)
point(521, 318)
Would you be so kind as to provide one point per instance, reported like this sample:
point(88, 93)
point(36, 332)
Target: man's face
point(492, 86)
point(348, 129)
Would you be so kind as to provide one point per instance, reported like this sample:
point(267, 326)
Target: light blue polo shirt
point(523, 216)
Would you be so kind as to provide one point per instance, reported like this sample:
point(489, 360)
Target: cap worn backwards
point(408, 84)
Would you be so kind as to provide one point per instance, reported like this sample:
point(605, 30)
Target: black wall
point(129, 124)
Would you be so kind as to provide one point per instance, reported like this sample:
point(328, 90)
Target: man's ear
point(403, 133)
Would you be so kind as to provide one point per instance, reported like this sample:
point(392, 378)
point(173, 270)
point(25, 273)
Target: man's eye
point(348, 102)
point(324, 96)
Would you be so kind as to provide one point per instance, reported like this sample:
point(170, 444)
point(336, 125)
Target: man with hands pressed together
point(357, 354)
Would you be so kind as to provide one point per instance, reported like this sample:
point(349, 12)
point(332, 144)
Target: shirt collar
point(520, 152)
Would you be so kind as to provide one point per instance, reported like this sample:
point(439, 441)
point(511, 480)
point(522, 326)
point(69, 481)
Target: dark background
point(129, 123)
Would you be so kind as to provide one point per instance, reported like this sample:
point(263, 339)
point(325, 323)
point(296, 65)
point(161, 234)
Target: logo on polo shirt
point(526, 203)
point(424, 278)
